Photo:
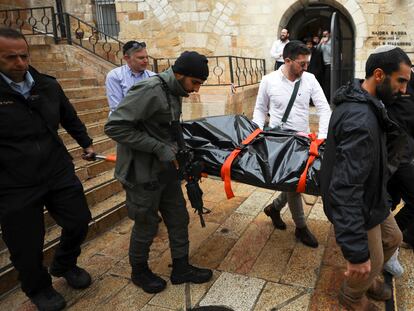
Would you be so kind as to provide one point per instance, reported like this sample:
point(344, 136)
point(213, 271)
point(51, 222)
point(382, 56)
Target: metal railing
point(224, 70)
point(31, 21)
point(95, 41)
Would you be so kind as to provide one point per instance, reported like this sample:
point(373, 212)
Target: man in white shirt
point(121, 79)
point(277, 48)
point(325, 46)
point(273, 97)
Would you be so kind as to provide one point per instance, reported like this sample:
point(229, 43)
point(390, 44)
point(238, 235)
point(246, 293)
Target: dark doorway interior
point(313, 20)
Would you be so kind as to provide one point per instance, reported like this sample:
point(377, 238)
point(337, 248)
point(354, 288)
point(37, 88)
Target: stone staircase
point(104, 194)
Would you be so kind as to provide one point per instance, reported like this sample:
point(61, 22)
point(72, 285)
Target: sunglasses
point(135, 45)
point(301, 64)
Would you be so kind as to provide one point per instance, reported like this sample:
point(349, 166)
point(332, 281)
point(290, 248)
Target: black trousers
point(22, 224)
point(401, 186)
point(327, 82)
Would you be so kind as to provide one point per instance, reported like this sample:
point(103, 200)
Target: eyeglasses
point(301, 64)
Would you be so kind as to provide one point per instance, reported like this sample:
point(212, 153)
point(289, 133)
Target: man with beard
point(142, 125)
point(354, 176)
point(277, 48)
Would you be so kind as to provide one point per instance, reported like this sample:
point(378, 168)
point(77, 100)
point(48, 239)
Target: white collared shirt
point(119, 81)
point(273, 97)
point(277, 50)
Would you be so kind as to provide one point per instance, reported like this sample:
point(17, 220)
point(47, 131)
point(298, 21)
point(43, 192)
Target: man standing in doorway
point(326, 48)
point(121, 79)
point(354, 176)
point(291, 81)
point(277, 48)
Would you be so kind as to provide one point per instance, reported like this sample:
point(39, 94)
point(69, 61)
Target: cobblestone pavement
point(255, 267)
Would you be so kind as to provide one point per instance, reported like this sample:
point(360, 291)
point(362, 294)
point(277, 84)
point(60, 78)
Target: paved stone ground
point(255, 266)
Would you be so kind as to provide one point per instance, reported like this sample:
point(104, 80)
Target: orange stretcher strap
point(226, 168)
point(313, 154)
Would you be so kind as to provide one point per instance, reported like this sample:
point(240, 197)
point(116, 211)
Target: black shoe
point(48, 299)
point(76, 277)
point(183, 272)
point(306, 237)
point(143, 277)
point(275, 216)
point(407, 239)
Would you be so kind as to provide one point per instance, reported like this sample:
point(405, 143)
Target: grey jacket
point(140, 126)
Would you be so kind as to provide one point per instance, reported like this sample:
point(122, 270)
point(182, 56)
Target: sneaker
point(393, 266)
point(183, 272)
point(48, 299)
point(143, 277)
point(274, 214)
point(76, 277)
point(306, 237)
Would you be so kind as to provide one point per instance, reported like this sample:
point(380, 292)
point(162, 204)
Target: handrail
point(31, 21)
point(236, 71)
point(89, 37)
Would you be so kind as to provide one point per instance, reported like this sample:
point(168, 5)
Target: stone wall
point(83, 9)
point(242, 27)
point(248, 28)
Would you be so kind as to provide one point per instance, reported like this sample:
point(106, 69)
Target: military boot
point(143, 277)
point(48, 299)
point(183, 272)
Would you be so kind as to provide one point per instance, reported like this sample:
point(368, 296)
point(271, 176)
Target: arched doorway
point(312, 19)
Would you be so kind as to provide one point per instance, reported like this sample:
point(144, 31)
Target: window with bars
point(106, 17)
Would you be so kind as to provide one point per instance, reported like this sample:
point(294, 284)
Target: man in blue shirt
point(119, 80)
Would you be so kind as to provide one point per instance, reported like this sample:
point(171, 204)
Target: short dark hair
point(11, 33)
point(388, 60)
point(133, 46)
point(294, 48)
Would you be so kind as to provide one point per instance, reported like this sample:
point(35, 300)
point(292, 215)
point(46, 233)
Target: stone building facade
point(248, 28)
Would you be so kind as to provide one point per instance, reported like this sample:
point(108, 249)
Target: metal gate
point(106, 20)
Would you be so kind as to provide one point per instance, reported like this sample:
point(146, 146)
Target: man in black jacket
point(401, 184)
point(36, 170)
point(354, 176)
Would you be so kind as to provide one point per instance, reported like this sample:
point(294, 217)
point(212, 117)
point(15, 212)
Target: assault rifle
point(190, 170)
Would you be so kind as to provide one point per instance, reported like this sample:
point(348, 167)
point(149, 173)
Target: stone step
point(45, 67)
point(44, 53)
point(72, 73)
point(94, 130)
point(94, 116)
point(85, 92)
point(75, 82)
point(100, 144)
point(84, 104)
point(104, 216)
